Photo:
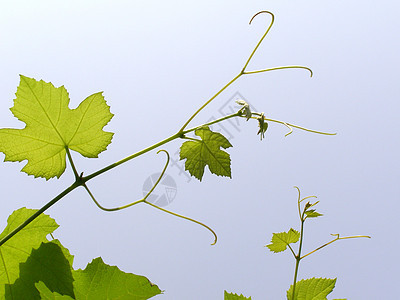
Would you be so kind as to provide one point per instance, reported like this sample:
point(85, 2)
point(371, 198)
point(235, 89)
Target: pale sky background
point(157, 62)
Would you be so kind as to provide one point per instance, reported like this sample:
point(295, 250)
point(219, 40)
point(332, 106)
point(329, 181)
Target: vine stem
point(81, 180)
point(40, 211)
point(298, 256)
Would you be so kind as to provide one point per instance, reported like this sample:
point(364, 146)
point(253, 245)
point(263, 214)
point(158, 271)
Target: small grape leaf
point(51, 127)
point(312, 289)
point(232, 296)
point(311, 213)
point(46, 294)
point(199, 153)
point(281, 240)
point(17, 249)
point(47, 264)
point(101, 281)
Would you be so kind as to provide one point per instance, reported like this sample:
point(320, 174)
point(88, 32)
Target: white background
point(157, 62)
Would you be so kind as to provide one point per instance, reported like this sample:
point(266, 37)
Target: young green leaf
point(99, 279)
point(232, 296)
point(311, 213)
point(18, 249)
point(199, 153)
point(312, 289)
point(281, 240)
point(51, 127)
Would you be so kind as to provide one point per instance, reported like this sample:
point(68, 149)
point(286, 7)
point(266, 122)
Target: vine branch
point(81, 180)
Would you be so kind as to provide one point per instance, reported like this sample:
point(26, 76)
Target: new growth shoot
point(281, 241)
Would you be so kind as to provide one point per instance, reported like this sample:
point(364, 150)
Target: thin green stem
point(262, 38)
point(208, 102)
point(237, 114)
point(334, 240)
point(72, 163)
point(293, 125)
point(105, 208)
point(298, 257)
point(298, 201)
point(40, 211)
point(186, 218)
point(278, 68)
point(116, 164)
point(135, 202)
point(296, 269)
point(308, 197)
point(291, 249)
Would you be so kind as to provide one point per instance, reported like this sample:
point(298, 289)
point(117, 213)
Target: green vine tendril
point(144, 200)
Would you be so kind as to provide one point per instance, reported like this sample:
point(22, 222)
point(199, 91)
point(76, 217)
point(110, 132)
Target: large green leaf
point(199, 153)
point(312, 289)
point(232, 296)
point(51, 127)
point(17, 249)
point(281, 240)
point(100, 281)
point(47, 264)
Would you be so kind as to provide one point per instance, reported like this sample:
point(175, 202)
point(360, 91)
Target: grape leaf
point(101, 281)
point(311, 213)
point(232, 296)
point(312, 289)
point(281, 240)
point(199, 153)
point(47, 264)
point(17, 249)
point(46, 294)
point(51, 127)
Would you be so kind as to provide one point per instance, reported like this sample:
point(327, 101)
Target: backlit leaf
point(311, 213)
point(312, 289)
point(47, 264)
point(51, 127)
point(281, 240)
point(199, 153)
point(17, 249)
point(101, 281)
